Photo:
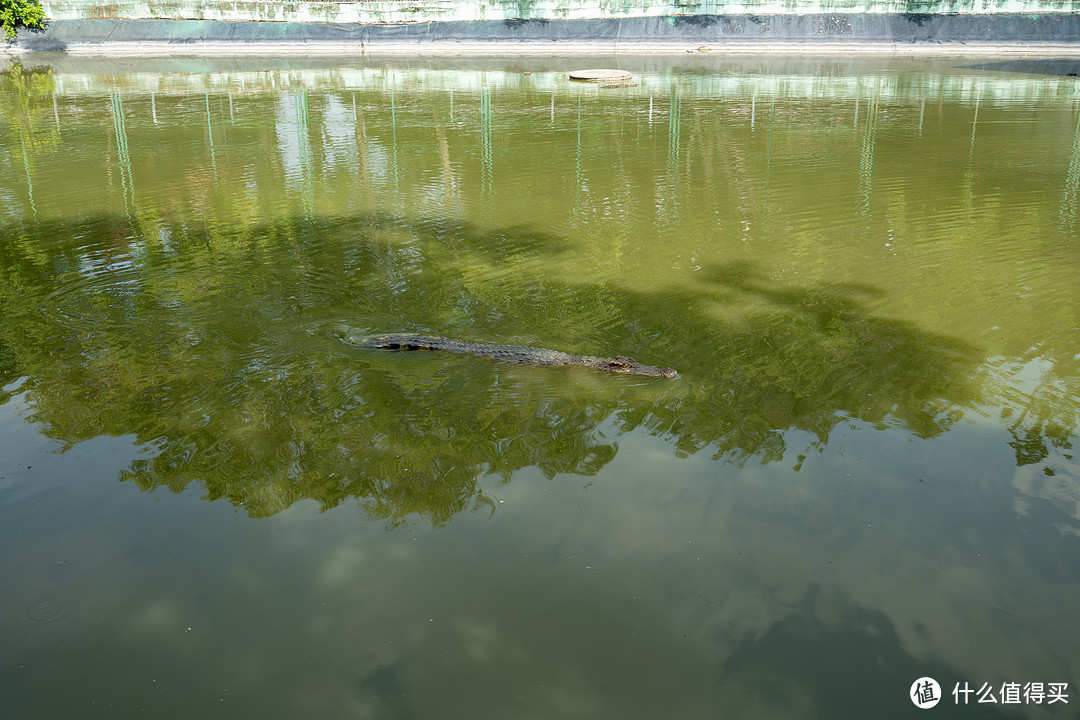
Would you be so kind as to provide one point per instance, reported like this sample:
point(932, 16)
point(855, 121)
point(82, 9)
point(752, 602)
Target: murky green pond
point(864, 271)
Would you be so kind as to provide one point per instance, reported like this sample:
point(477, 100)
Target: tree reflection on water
point(213, 350)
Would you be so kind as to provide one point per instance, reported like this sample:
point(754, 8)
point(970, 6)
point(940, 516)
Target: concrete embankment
point(444, 26)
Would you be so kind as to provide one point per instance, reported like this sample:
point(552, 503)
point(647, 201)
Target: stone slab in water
point(600, 75)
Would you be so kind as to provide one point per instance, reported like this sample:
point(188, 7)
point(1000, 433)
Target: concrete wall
point(419, 11)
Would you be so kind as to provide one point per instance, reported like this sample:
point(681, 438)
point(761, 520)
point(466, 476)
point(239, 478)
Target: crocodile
point(519, 354)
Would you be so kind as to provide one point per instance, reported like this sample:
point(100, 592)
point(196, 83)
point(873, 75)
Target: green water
point(865, 473)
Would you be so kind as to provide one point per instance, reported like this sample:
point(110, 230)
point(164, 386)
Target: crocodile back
point(518, 354)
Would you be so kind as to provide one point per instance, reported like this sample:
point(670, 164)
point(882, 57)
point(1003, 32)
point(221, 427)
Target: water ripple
point(44, 611)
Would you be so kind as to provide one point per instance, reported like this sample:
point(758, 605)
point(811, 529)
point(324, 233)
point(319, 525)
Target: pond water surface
point(865, 272)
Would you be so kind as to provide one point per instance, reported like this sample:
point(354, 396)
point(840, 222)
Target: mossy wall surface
point(409, 11)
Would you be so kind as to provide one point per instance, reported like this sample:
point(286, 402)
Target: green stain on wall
point(418, 11)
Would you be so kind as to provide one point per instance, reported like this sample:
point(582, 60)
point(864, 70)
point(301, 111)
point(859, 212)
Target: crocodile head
point(630, 366)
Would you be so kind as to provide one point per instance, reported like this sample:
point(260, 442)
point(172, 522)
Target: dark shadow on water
point(383, 692)
point(1065, 66)
point(853, 665)
point(210, 346)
